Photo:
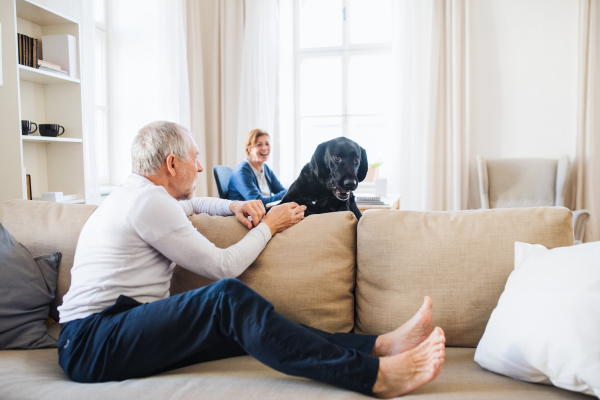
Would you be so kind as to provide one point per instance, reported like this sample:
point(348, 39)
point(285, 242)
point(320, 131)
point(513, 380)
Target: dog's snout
point(349, 184)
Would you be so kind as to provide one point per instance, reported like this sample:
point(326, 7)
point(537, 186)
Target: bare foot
point(408, 371)
point(409, 335)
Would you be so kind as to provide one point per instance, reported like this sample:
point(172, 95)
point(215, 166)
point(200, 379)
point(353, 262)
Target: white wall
point(523, 78)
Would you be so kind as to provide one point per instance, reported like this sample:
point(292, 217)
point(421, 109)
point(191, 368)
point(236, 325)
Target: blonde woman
point(252, 179)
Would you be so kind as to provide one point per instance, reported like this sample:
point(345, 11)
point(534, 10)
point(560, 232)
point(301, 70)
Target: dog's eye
point(336, 159)
point(356, 160)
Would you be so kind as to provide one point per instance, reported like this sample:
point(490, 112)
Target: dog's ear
point(364, 165)
point(317, 162)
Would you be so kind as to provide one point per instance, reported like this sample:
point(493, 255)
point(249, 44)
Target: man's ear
point(171, 160)
point(364, 165)
point(317, 162)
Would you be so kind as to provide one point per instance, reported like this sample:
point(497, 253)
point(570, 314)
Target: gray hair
point(154, 142)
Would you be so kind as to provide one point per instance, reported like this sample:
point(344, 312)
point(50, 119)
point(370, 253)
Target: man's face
point(186, 182)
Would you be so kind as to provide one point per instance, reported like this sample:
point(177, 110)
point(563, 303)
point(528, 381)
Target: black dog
point(326, 183)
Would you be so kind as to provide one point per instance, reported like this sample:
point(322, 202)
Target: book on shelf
point(47, 64)
point(29, 50)
point(369, 200)
point(28, 182)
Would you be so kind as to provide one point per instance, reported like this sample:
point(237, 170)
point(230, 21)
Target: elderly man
point(118, 321)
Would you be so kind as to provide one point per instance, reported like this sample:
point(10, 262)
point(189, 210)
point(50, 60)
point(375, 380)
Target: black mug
point(51, 130)
point(26, 127)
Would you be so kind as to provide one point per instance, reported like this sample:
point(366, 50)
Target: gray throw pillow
point(27, 287)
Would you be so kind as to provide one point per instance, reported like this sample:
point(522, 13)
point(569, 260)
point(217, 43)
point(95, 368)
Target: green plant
point(376, 164)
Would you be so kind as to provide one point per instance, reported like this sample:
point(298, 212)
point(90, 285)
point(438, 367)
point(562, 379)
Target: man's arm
point(163, 225)
point(206, 205)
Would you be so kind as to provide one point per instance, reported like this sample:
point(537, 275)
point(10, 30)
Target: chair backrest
point(525, 182)
point(222, 173)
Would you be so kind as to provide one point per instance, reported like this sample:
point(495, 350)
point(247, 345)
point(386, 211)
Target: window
point(342, 58)
point(101, 134)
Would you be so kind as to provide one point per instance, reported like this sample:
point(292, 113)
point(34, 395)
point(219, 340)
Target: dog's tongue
point(341, 193)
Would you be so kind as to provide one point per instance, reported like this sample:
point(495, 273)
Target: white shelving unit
point(54, 163)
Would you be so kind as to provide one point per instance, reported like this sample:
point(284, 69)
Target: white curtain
point(148, 72)
point(259, 79)
point(431, 119)
point(587, 159)
point(215, 41)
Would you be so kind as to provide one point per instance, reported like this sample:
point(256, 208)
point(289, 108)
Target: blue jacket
point(243, 184)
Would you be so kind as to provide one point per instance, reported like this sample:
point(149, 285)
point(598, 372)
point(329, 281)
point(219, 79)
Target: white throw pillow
point(546, 326)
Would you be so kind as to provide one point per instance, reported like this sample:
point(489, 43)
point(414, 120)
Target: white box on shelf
point(61, 50)
point(381, 187)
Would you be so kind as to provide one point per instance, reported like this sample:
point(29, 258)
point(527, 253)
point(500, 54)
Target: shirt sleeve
point(163, 224)
point(206, 205)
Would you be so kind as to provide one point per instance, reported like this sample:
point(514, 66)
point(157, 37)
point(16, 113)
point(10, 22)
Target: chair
point(527, 182)
point(222, 173)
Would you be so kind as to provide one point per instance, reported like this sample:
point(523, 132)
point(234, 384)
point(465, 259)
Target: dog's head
point(340, 164)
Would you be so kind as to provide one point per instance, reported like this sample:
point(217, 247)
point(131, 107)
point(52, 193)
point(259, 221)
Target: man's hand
point(245, 209)
point(283, 216)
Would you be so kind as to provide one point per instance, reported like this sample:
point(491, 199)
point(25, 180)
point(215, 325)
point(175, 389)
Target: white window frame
point(345, 50)
point(101, 32)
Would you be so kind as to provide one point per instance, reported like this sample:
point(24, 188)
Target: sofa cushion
point(28, 286)
point(306, 271)
point(45, 227)
point(460, 259)
point(35, 374)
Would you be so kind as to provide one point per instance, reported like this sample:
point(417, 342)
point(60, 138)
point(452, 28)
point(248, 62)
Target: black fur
point(338, 163)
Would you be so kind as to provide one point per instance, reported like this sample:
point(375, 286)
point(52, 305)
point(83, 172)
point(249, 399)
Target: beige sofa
point(328, 272)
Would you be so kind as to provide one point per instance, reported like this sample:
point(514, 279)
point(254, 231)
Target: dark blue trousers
point(225, 319)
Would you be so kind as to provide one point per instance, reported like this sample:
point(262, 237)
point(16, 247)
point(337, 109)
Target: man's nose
point(200, 169)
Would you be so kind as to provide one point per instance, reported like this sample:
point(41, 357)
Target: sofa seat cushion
point(35, 374)
point(460, 259)
point(306, 271)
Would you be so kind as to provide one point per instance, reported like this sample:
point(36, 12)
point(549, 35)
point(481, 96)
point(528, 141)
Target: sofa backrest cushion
point(461, 259)
point(307, 271)
point(43, 228)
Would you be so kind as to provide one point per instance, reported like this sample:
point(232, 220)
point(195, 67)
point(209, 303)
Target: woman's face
point(261, 149)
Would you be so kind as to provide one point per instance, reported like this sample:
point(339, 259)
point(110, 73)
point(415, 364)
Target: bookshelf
point(54, 163)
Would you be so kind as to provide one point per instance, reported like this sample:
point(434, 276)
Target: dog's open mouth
point(341, 194)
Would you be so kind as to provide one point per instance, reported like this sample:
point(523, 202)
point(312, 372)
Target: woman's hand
point(245, 209)
point(283, 216)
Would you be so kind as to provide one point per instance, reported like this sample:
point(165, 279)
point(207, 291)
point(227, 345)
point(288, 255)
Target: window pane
point(369, 83)
point(320, 23)
point(101, 135)
point(370, 21)
point(372, 134)
point(321, 86)
point(314, 131)
point(99, 11)
point(100, 72)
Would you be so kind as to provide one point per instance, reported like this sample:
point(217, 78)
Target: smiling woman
point(252, 179)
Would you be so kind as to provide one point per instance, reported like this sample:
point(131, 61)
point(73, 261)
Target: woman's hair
point(154, 142)
point(252, 137)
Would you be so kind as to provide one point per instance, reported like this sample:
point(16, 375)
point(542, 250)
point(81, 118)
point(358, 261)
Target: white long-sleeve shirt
point(130, 244)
